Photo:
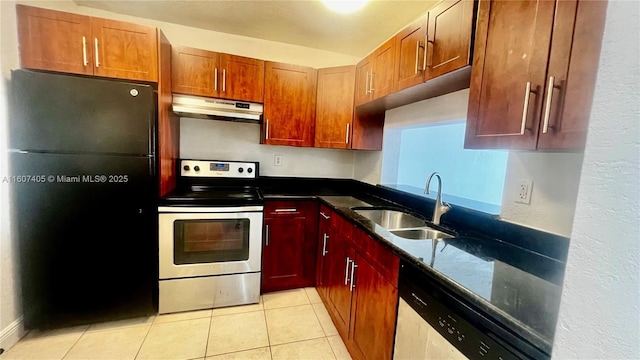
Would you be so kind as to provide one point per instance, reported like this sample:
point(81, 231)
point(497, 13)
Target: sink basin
point(391, 219)
point(421, 234)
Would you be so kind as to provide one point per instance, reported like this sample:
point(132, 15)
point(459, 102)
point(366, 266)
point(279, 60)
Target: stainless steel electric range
point(210, 237)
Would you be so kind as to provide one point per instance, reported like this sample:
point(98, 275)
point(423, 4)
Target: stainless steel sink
point(391, 219)
point(424, 233)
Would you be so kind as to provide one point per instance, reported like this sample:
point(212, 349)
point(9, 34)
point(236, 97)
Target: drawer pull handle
point(286, 210)
point(327, 217)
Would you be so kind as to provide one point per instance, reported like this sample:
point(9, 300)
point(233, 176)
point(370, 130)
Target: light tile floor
point(290, 324)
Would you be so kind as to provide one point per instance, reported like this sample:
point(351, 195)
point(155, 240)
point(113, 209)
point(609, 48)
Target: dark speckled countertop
point(516, 286)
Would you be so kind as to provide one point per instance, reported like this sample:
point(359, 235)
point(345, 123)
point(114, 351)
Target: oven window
point(206, 241)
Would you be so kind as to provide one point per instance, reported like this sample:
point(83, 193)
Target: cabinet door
point(409, 69)
point(374, 312)
point(289, 104)
point(508, 75)
point(194, 71)
point(124, 50)
point(334, 107)
point(282, 253)
point(364, 71)
point(383, 81)
point(325, 238)
point(449, 37)
point(341, 258)
point(54, 40)
point(573, 66)
point(242, 78)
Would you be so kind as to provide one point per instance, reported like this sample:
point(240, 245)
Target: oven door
point(209, 241)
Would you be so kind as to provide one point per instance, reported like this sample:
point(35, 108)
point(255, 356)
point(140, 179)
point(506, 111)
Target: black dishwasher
point(465, 327)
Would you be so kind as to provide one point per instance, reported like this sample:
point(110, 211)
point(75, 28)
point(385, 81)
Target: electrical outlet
point(277, 160)
point(524, 192)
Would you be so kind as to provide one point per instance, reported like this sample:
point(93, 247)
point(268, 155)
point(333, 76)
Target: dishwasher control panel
point(452, 318)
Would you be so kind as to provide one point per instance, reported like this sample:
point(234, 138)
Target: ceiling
point(300, 22)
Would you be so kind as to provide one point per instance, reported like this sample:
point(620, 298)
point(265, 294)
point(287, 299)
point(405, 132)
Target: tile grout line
point(76, 342)
point(206, 345)
point(145, 339)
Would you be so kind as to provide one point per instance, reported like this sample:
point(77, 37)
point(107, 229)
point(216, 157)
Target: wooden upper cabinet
point(195, 71)
point(364, 72)
point(410, 52)
point(573, 64)
point(207, 73)
point(508, 75)
point(54, 40)
point(450, 27)
point(242, 78)
point(289, 104)
point(528, 89)
point(383, 81)
point(60, 41)
point(334, 107)
point(124, 50)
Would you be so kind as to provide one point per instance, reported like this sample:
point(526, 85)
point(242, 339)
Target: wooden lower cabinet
point(288, 250)
point(360, 294)
point(373, 318)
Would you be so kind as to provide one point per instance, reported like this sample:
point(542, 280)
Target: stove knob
point(196, 168)
point(186, 168)
point(240, 170)
point(249, 170)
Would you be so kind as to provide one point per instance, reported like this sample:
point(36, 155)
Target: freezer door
point(87, 243)
point(71, 114)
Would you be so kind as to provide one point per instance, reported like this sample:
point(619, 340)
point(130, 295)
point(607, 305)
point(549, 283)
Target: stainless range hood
point(216, 109)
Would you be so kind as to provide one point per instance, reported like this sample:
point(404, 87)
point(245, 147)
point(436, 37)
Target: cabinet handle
point(547, 108)
point(215, 79)
point(426, 65)
point(327, 217)
point(417, 55)
point(366, 84)
point(286, 210)
point(266, 132)
point(346, 140)
point(97, 56)
point(371, 89)
point(84, 51)
point(525, 109)
point(325, 237)
point(353, 271)
point(346, 271)
point(224, 80)
point(266, 235)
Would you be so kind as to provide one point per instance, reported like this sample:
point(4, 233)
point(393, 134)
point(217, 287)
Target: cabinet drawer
point(337, 222)
point(385, 262)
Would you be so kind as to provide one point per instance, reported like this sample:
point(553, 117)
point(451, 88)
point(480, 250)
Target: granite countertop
point(519, 288)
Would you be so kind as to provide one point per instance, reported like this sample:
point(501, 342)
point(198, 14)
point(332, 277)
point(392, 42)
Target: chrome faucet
point(439, 208)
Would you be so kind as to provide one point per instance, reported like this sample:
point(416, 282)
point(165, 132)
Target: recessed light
point(345, 6)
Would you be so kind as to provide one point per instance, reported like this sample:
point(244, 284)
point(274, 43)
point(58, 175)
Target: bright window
point(471, 178)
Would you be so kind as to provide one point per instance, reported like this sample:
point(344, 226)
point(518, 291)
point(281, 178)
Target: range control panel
point(219, 169)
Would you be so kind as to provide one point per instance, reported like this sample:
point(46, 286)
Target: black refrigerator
point(83, 185)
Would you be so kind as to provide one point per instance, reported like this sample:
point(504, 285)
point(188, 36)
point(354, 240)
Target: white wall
point(600, 307)
point(226, 140)
point(555, 189)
